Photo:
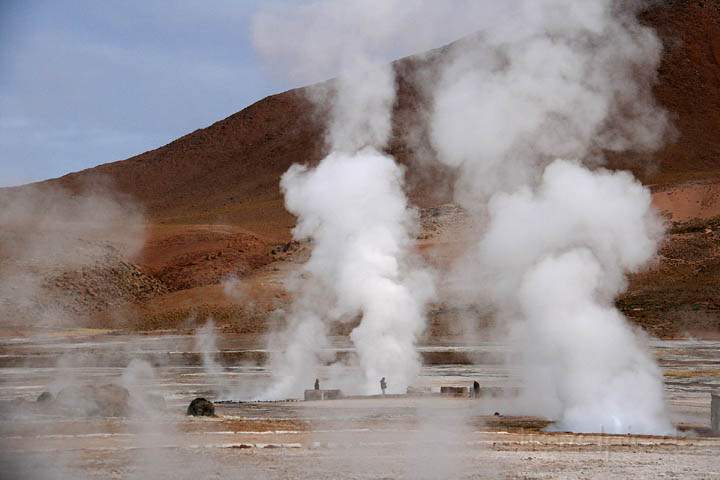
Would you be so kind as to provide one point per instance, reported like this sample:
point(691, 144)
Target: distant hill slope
point(689, 88)
point(229, 171)
point(215, 210)
point(225, 173)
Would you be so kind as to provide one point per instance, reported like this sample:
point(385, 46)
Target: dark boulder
point(201, 407)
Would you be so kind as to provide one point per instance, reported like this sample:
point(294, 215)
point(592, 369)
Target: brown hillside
point(213, 200)
point(689, 88)
point(229, 171)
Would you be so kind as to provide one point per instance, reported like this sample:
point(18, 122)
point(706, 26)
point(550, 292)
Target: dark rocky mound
point(201, 407)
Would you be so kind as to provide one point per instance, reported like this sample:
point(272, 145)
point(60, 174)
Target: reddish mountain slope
point(225, 173)
point(689, 88)
point(228, 172)
point(214, 199)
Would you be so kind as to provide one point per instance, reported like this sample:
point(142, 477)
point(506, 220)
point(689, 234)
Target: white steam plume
point(206, 344)
point(48, 235)
point(543, 79)
point(353, 208)
point(554, 79)
point(556, 258)
point(343, 35)
point(559, 79)
point(352, 205)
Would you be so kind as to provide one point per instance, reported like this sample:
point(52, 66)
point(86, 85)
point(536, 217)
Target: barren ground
point(372, 438)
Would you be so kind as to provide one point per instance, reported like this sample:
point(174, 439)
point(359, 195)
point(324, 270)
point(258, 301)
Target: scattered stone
point(44, 397)
point(201, 407)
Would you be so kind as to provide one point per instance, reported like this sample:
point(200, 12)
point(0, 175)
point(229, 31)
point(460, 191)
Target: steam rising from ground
point(353, 208)
point(552, 79)
point(540, 81)
point(352, 205)
point(206, 344)
point(560, 79)
point(556, 79)
point(556, 257)
point(47, 233)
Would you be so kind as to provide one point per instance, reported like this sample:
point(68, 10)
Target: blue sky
point(89, 82)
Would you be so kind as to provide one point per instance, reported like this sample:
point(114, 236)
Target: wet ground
point(356, 438)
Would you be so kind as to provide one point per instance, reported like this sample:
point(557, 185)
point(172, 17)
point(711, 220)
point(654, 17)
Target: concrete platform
point(455, 391)
point(311, 395)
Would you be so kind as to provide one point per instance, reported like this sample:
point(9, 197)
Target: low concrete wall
point(454, 391)
point(715, 413)
point(322, 394)
point(419, 391)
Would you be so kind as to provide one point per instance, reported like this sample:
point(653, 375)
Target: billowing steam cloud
point(352, 206)
point(206, 344)
point(559, 79)
point(49, 240)
point(555, 257)
point(533, 81)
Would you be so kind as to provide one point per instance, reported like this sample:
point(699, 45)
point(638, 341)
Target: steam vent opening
point(449, 239)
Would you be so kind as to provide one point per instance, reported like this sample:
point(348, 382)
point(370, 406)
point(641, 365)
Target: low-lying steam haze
point(523, 109)
point(47, 235)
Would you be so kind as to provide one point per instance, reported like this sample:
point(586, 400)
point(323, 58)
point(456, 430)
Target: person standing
point(383, 385)
point(476, 389)
point(317, 384)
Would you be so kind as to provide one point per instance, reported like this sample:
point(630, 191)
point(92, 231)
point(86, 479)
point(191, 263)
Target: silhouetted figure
point(317, 384)
point(383, 385)
point(476, 390)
